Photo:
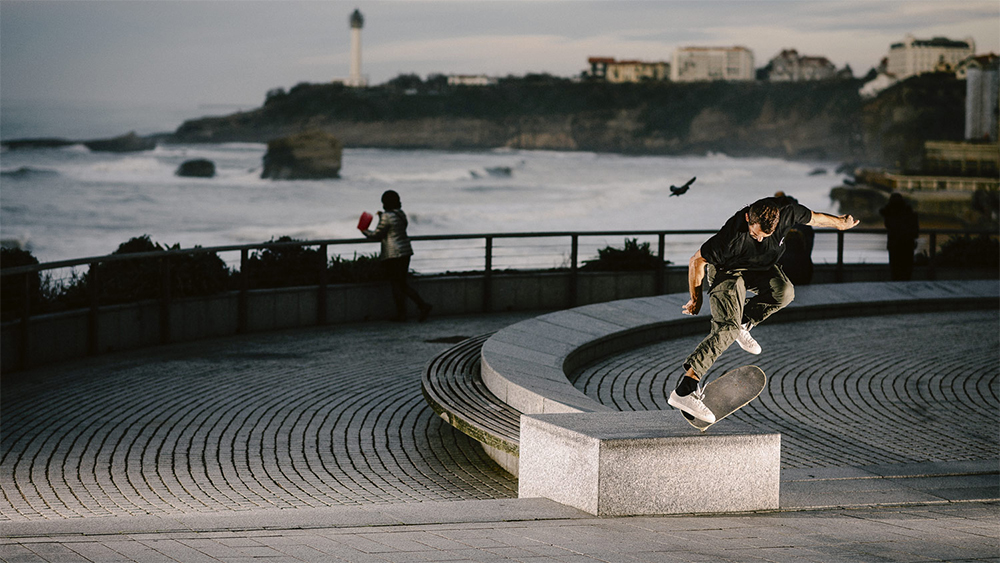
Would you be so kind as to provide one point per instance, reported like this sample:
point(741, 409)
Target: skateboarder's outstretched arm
point(696, 274)
point(841, 223)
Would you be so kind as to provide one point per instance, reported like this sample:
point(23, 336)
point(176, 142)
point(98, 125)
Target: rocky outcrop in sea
point(311, 155)
point(130, 142)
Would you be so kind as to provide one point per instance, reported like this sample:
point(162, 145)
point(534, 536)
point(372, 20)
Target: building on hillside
point(470, 80)
point(982, 98)
point(692, 64)
point(949, 158)
point(607, 68)
point(789, 66)
point(948, 166)
point(915, 56)
point(987, 61)
point(875, 86)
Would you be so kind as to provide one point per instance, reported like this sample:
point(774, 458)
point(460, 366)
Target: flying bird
point(674, 190)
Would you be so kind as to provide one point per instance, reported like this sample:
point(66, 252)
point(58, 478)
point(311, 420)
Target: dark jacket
point(901, 223)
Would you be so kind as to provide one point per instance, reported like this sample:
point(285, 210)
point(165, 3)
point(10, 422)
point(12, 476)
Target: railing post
point(488, 277)
point(840, 257)
point(165, 300)
point(660, 274)
point(25, 344)
point(94, 292)
point(574, 254)
point(931, 253)
point(243, 301)
point(321, 296)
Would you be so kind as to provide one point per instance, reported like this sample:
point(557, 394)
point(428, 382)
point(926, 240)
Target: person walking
point(396, 253)
point(742, 256)
point(902, 228)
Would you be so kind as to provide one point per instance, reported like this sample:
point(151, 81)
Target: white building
point(470, 80)
point(916, 56)
point(789, 66)
point(875, 86)
point(692, 64)
point(609, 69)
point(982, 103)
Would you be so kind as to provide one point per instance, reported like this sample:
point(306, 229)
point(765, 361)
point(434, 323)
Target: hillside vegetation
point(823, 120)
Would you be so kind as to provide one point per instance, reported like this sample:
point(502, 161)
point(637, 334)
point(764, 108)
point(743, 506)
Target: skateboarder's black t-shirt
point(732, 248)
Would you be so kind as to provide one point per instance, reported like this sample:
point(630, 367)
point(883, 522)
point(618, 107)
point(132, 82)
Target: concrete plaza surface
point(316, 445)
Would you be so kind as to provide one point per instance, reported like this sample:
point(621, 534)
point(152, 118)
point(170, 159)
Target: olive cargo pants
point(727, 296)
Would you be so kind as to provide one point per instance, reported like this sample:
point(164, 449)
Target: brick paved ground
point(315, 445)
point(955, 533)
point(303, 418)
point(845, 392)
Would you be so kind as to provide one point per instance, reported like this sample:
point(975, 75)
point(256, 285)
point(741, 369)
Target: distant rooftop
point(935, 42)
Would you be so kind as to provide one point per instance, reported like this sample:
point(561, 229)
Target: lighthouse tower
point(355, 78)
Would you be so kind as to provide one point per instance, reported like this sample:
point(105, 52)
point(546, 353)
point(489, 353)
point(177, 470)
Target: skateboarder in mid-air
point(742, 255)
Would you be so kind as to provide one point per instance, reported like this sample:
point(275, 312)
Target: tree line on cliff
point(820, 119)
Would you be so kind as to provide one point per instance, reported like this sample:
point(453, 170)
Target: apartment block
point(915, 56)
point(692, 64)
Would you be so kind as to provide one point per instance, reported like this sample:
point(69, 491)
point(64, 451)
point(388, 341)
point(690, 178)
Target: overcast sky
point(233, 51)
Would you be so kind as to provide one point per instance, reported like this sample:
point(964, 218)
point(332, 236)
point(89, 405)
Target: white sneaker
point(692, 404)
point(746, 341)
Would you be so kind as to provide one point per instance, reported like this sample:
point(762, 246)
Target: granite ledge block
point(632, 463)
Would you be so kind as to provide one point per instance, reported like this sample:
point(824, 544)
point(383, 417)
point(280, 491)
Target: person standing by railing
point(742, 256)
point(396, 253)
point(903, 228)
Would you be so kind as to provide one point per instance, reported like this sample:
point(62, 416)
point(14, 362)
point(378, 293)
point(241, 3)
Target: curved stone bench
point(577, 451)
point(526, 364)
point(452, 385)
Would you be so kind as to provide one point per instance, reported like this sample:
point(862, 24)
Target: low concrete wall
point(64, 336)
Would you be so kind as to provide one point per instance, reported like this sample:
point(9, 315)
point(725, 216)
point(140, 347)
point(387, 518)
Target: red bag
point(365, 221)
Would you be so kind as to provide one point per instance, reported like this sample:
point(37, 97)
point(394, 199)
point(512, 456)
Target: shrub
point(360, 269)
point(284, 266)
point(134, 280)
point(633, 257)
point(966, 251)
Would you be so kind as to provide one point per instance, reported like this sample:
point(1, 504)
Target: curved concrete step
point(452, 385)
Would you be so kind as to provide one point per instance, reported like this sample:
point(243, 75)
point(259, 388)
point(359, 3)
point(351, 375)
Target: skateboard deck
point(729, 393)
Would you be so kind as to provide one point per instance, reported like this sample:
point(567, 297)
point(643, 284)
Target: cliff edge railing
point(475, 273)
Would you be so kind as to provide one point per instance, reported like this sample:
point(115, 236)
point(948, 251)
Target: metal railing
point(561, 251)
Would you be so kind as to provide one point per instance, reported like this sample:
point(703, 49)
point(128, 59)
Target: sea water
point(70, 202)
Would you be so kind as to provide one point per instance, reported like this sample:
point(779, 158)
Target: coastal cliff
point(807, 120)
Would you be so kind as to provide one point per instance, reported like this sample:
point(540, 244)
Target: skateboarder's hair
point(765, 214)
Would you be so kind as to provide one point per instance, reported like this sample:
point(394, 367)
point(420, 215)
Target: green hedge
point(191, 275)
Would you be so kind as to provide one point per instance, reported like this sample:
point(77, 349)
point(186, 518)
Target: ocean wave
point(447, 175)
point(134, 165)
point(16, 242)
point(26, 172)
point(452, 175)
point(223, 151)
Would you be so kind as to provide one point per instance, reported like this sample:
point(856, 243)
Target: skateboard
point(729, 393)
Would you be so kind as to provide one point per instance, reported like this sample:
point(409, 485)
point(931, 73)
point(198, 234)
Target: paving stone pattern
point(305, 418)
point(845, 392)
point(954, 533)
